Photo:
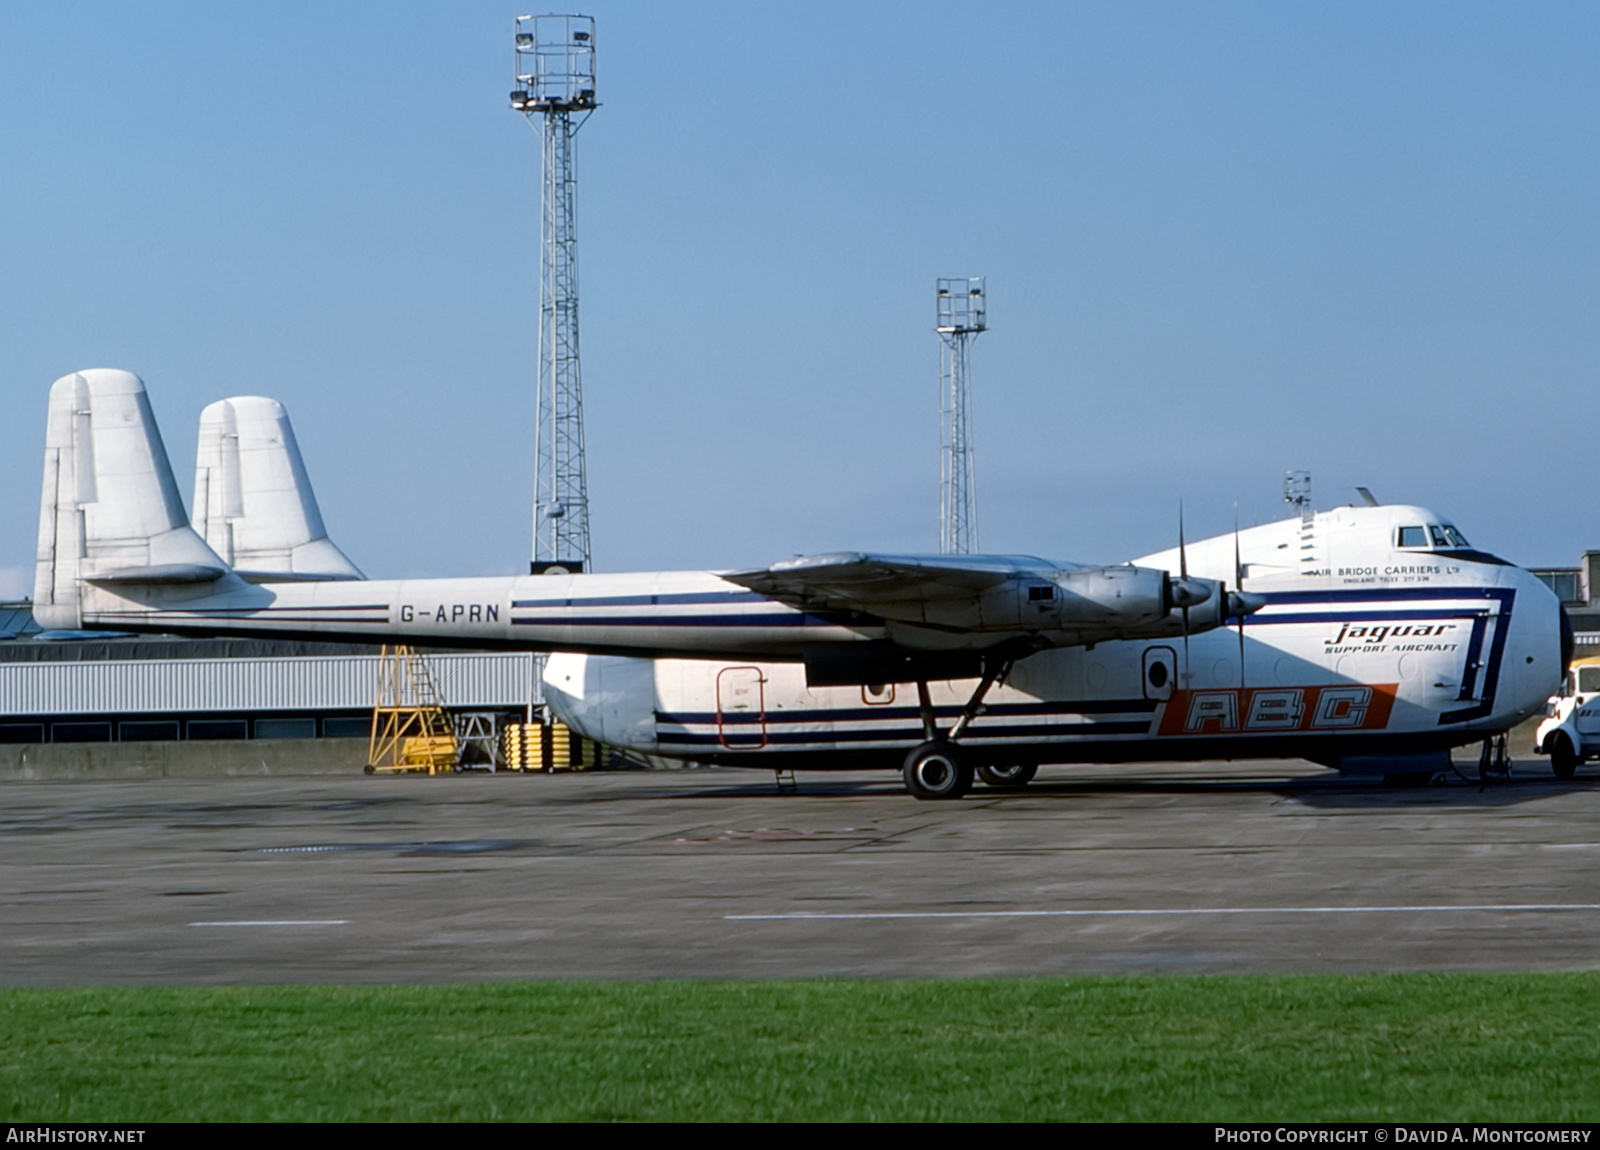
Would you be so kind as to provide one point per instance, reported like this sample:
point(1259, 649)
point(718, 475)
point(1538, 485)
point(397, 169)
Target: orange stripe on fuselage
point(1278, 710)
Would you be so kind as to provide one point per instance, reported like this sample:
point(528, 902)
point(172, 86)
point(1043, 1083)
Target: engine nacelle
point(1125, 596)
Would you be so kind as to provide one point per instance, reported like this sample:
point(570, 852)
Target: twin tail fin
point(111, 516)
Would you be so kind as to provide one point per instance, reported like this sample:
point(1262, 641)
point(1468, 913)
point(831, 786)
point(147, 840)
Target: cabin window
point(1413, 537)
point(1041, 594)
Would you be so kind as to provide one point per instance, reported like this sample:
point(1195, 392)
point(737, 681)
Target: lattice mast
point(555, 92)
point(961, 317)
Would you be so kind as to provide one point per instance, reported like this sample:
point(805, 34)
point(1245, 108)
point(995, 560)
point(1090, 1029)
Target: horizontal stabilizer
point(163, 573)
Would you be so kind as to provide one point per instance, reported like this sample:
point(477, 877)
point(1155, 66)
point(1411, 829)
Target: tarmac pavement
point(1185, 868)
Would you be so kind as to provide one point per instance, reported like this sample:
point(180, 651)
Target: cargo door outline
point(1474, 662)
point(741, 708)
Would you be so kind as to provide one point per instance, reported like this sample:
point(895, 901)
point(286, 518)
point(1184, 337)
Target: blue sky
point(1221, 241)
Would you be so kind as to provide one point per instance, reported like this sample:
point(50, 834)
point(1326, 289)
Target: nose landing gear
point(1494, 760)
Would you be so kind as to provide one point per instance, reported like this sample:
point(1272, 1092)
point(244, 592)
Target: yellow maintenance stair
point(411, 730)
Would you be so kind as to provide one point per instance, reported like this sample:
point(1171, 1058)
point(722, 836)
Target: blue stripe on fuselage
point(788, 619)
point(668, 599)
point(869, 712)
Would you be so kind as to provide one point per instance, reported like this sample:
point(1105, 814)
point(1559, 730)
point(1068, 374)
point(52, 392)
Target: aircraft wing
point(991, 597)
point(850, 580)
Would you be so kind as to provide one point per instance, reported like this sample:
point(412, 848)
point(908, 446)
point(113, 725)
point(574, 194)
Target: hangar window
point(1413, 537)
point(80, 732)
point(218, 729)
point(151, 731)
point(286, 728)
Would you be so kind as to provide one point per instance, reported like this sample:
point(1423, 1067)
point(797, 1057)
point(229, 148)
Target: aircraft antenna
point(554, 90)
point(1297, 490)
point(962, 316)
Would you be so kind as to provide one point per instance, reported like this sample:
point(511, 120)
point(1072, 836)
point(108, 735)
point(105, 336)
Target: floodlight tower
point(961, 317)
point(554, 91)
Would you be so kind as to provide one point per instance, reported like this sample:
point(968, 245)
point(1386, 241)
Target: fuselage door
point(1160, 670)
point(741, 707)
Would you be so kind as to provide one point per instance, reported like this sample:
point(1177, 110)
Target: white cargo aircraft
point(1376, 638)
point(1381, 641)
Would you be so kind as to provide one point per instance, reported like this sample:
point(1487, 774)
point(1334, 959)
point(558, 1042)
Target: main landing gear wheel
point(1563, 759)
point(1008, 777)
point(935, 770)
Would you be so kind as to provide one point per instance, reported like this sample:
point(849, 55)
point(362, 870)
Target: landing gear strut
point(937, 769)
point(1494, 759)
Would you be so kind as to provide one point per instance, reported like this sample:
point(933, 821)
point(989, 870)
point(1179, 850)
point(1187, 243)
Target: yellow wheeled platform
point(411, 730)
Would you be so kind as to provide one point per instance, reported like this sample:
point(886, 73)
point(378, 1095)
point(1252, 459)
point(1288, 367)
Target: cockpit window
point(1456, 538)
point(1439, 539)
point(1589, 679)
point(1413, 537)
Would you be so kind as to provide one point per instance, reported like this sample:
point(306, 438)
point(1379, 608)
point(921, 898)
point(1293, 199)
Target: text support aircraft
point(1383, 640)
point(117, 552)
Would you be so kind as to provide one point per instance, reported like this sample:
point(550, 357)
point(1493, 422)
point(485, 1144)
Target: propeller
point(1183, 574)
point(1238, 585)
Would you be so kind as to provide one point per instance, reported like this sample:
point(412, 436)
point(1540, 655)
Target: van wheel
point(1563, 759)
point(1008, 777)
point(936, 771)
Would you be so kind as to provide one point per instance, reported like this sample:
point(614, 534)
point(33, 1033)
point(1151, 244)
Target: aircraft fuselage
point(1365, 653)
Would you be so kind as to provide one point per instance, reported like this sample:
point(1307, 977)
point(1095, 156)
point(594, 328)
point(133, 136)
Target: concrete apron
point(216, 758)
point(196, 759)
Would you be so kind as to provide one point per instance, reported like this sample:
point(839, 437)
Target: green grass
point(1384, 1047)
